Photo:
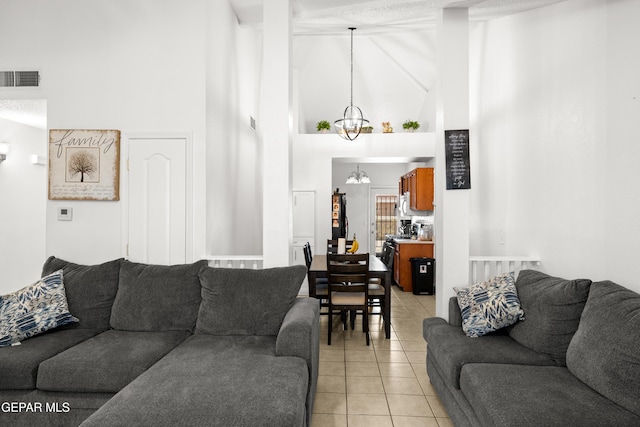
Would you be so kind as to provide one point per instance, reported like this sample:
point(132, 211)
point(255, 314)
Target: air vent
point(19, 79)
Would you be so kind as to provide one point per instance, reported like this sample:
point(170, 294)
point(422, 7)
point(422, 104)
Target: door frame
point(127, 138)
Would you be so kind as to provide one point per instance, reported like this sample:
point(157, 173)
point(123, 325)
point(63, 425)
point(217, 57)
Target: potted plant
point(323, 126)
point(410, 126)
point(367, 129)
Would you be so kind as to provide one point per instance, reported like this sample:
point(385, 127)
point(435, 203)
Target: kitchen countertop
point(414, 241)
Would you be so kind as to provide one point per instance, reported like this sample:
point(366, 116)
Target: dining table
point(377, 269)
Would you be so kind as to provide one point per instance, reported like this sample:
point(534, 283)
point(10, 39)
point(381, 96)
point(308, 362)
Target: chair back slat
point(348, 273)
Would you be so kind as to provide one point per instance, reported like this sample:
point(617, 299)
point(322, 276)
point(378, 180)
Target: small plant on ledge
point(323, 126)
point(410, 126)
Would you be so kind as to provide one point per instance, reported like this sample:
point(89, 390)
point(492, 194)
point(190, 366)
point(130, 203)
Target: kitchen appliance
point(423, 231)
point(339, 221)
point(405, 227)
point(404, 206)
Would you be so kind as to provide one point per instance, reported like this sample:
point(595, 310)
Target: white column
point(452, 206)
point(276, 125)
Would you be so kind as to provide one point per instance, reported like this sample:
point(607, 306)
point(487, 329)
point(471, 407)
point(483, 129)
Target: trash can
point(423, 272)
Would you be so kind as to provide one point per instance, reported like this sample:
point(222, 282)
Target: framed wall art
point(458, 167)
point(84, 164)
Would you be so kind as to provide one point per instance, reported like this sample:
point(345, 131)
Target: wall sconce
point(4, 150)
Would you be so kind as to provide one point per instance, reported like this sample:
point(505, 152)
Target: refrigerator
point(339, 221)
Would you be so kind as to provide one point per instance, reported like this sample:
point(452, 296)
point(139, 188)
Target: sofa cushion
point(517, 395)
point(247, 302)
point(90, 290)
point(19, 364)
point(605, 350)
point(451, 349)
point(107, 362)
point(34, 309)
point(489, 306)
point(222, 380)
point(553, 307)
point(157, 297)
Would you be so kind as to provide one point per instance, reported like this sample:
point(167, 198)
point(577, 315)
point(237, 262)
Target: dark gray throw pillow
point(247, 302)
point(552, 308)
point(90, 289)
point(157, 297)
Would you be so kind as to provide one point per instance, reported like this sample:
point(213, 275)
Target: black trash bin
point(423, 273)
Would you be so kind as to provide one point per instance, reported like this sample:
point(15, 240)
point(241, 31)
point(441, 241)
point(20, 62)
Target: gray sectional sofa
point(573, 361)
point(182, 345)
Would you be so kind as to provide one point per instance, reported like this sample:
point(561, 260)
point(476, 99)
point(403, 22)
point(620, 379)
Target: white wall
point(234, 156)
point(143, 66)
point(619, 204)
point(23, 190)
point(554, 108)
point(128, 65)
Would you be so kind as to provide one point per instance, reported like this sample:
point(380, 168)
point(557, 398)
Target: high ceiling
point(333, 16)
point(318, 17)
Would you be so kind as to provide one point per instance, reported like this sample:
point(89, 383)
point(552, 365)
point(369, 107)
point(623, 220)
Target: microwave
point(404, 206)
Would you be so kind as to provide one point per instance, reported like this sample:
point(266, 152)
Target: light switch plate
point(65, 214)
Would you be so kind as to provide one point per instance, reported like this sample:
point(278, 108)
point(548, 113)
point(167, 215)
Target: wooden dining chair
point(322, 283)
point(377, 293)
point(332, 245)
point(348, 288)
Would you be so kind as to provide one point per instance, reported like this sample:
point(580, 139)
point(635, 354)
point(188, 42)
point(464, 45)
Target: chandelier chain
point(351, 66)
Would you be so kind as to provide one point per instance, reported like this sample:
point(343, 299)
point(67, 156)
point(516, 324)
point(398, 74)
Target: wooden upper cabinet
point(419, 184)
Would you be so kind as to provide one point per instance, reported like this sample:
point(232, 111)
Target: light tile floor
point(385, 384)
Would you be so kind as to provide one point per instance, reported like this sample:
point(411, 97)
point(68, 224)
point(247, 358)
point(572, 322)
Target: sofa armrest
point(455, 316)
point(299, 336)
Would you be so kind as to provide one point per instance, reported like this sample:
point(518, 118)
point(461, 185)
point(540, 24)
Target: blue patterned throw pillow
point(34, 310)
point(489, 306)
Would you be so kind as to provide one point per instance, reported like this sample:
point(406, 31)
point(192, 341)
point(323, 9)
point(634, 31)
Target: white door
point(157, 200)
point(382, 208)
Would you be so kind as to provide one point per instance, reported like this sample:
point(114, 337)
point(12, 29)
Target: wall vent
point(19, 78)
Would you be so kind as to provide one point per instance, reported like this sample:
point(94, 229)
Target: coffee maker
point(405, 229)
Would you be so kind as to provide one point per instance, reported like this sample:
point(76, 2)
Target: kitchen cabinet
point(419, 184)
point(405, 250)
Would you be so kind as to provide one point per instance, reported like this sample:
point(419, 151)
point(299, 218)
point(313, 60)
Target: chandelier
point(357, 177)
point(352, 121)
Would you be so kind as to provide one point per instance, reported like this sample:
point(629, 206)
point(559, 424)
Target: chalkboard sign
point(456, 146)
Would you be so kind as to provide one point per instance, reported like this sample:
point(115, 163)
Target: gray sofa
point(182, 345)
point(573, 361)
